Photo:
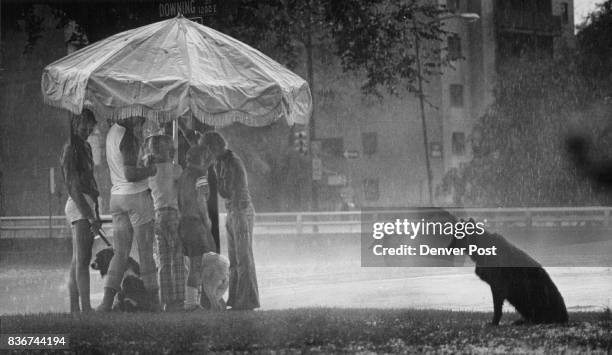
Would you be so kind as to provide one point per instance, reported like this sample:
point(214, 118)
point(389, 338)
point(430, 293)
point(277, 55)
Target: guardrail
point(338, 222)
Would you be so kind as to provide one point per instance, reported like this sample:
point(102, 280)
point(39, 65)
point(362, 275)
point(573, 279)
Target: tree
point(374, 39)
point(595, 42)
point(379, 39)
point(519, 144)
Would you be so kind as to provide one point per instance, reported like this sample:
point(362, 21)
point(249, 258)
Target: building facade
point(385, 154)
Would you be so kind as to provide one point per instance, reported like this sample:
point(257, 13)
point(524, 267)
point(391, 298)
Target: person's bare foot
point(107, 300)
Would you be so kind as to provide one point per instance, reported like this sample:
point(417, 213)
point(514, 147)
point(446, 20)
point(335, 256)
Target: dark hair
point(75, 121)
point(81, 158)
point(194, 155)
point(214, 141)
point(160, 141)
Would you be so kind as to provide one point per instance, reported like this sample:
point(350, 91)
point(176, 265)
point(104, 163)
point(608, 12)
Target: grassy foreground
point(318, 330)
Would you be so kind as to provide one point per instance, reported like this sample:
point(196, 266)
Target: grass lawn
point(318, 330)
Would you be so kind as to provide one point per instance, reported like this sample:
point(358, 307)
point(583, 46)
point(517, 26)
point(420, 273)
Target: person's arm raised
point(131, 170)
point(191, 136)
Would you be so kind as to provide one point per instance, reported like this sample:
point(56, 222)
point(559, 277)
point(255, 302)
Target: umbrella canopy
point(177, 68)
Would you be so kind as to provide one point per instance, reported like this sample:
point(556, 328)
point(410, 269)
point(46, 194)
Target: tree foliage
point(375, 39)
point(595, 42)
point(379, 39)
point(518, 145)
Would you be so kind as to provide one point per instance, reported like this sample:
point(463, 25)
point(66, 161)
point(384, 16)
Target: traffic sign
point(315, 147)
point(336, 180)
point(301, 141)
point(435, 150)
point(317, 169)
point(351, 154)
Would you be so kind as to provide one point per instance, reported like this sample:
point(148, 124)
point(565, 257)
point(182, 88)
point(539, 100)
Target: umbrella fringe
point(62, 104)
point(227, 118)
point(221, 119)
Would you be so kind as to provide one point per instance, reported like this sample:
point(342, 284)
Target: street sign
point(51, 180)
point(315, 147)
point(336, 180)
point(435, 150)
point(347, 193)
point(351, 154)
point(195, 10)
point(197, 19)
point(317, 169)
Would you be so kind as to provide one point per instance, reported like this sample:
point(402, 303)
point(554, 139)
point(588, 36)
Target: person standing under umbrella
point(81, 207)
point(132, 209)
point(233, 187)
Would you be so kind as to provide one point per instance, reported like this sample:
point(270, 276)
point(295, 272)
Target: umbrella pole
point(175, 139)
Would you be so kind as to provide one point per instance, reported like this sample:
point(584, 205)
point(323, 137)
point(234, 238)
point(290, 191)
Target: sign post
point(51, 192)
point(317, 169)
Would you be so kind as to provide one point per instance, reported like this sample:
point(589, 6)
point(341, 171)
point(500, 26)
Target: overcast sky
point(582, 8)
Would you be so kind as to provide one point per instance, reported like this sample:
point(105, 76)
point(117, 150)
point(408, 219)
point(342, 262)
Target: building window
point(565, 12)
point(453, 5)
point(370, 189)
point(369, 142)
point(454, 47)
point(456, 95)
point(332, 146)
point(458, 143)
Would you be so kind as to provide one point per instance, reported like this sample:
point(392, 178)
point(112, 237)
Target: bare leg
point(83, 257)
point(145, 237)
point(194, 278)
point(208, 291)
point(72, 283)
point(194, 283)
point(122, 237)
point(164, 273)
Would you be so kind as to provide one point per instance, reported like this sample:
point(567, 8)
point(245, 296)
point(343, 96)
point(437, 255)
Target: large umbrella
point(177, 68)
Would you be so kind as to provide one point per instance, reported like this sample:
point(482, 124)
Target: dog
point(516, 277)
point(215, 280)
point(600, 172)
point(132, 296)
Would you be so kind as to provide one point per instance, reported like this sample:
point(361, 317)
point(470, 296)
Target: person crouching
point(164, 190)
point(194, 226)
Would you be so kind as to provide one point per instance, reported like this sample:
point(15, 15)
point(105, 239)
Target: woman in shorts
point(81, 207)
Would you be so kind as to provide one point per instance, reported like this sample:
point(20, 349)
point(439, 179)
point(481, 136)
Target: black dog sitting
point(132, 296)
point(516, 277)
point(600, 172)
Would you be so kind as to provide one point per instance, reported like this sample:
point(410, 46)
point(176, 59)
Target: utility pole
point(468, 17)
point(311, 127)
point(417, 44)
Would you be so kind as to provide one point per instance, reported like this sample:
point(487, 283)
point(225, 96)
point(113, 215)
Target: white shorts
point(72, 211)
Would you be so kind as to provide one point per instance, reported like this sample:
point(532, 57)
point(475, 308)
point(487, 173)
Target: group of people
point(155, 200)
